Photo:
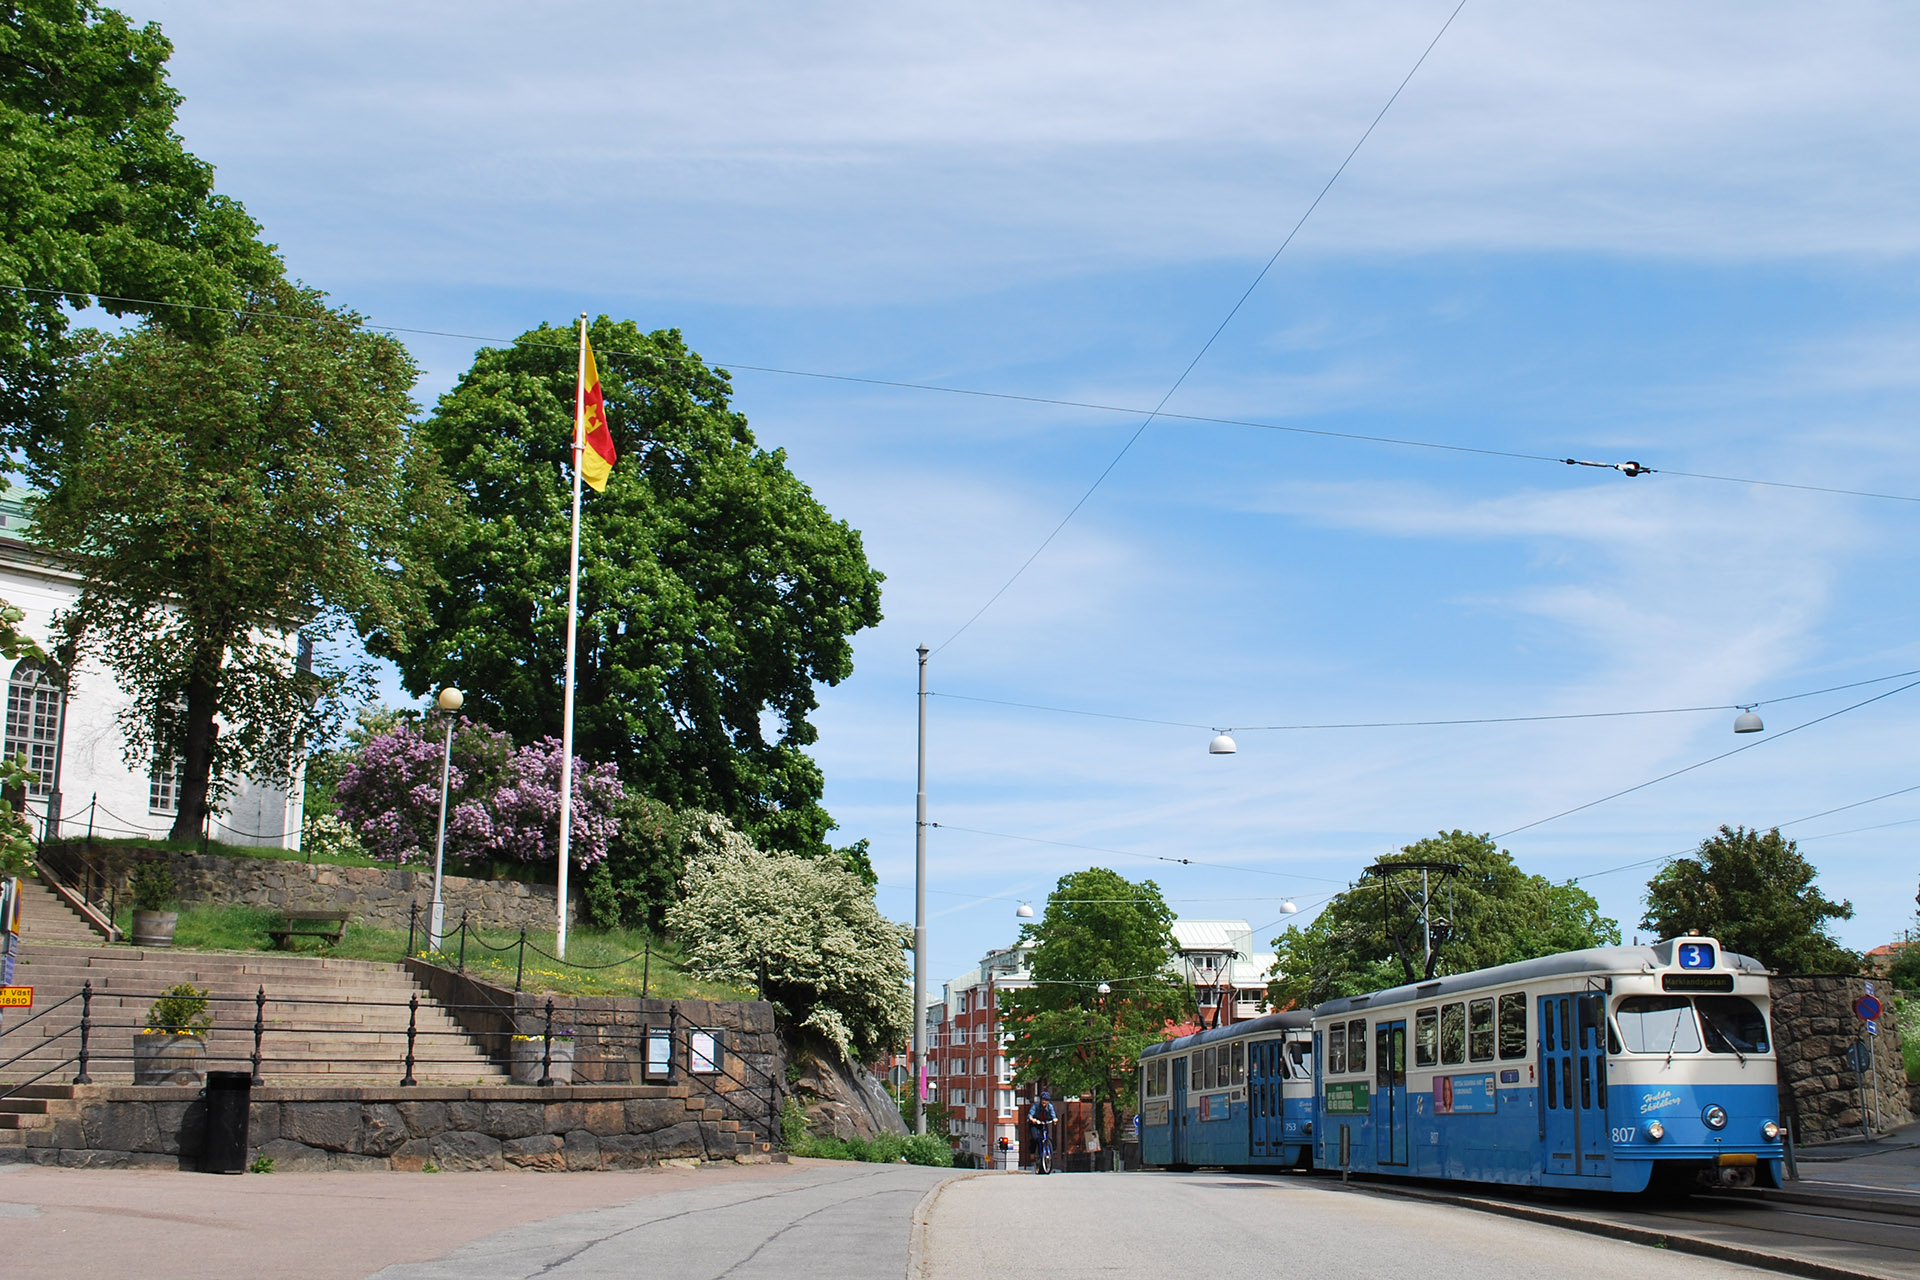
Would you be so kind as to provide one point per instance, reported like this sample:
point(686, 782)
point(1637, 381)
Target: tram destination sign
point(1351, 1098)
point(1696, 982)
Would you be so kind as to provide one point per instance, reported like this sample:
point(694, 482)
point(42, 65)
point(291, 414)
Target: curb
point(917, 1262)
point(1670, 1241)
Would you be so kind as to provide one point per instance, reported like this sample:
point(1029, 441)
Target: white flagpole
point(573, 622)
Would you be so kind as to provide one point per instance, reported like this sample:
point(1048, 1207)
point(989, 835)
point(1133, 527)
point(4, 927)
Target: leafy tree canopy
point(218, 497)
point(101, 198)
point(1099, 927)
point(1494, 913)
point(715, 590)
point(1755, 893)
point(804, 931)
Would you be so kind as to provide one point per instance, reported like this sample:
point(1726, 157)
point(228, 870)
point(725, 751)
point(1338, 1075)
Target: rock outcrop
point(845, 1100)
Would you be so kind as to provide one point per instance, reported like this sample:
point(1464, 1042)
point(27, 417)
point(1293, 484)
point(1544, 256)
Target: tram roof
point(1286, 1020)
point(1642, 959)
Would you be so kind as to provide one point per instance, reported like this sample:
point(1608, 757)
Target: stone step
point(45, 917)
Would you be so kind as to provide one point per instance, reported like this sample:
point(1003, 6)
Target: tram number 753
point(1625, 1135)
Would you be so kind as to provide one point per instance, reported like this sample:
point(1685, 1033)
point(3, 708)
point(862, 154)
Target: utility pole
point(920, 915)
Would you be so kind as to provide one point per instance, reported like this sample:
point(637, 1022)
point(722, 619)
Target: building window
point(33, 723)
point(164, 786)
point(1003, 1100)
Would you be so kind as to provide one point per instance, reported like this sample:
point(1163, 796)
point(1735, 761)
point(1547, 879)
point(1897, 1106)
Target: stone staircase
point(325, 1021)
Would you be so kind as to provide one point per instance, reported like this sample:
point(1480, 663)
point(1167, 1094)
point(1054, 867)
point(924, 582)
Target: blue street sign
point(1873, 1027)
point(1696, 955)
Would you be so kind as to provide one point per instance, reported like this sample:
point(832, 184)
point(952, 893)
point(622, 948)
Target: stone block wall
point(377, 896)
point(1813, 1026)
point(404, 1129)
point(610, 1036)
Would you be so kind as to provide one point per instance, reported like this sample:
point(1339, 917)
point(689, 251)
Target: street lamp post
point(449, 701)
point(920, 913)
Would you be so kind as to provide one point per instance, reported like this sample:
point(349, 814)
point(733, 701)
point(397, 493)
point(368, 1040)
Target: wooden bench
point(327, 926)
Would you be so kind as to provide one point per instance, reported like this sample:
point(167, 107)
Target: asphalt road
point(1086, 1226)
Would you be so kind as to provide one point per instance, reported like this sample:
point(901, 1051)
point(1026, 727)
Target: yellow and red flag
point(598, 456)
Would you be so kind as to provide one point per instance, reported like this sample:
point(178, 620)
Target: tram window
point(1513, 1025)
point(1207, 1068)
point(1426, 1038)
point(1239, 1064)
point(1658, 1024)
point(1357, 1045)
point(1480, 1030)
point(1553, 1094)
point(1734, 1024)
point(1302, 1054)
point(1337, 1049)
point(1586, 1014)
point(1453, 1034)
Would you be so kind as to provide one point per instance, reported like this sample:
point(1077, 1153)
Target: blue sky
point(1687, 237)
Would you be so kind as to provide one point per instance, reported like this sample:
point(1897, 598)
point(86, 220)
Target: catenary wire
point(1417, 724)
point(1052, 401)
point(1128, 853)
point(1703, 763)
point(1211, 338)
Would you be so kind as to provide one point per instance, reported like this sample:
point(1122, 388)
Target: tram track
point(1815, 1233)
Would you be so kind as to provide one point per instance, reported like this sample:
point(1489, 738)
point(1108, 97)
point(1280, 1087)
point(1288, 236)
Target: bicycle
point(1043, 1149)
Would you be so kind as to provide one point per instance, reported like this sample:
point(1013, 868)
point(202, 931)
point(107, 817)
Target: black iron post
point(546, 1050)
point(413, 923)
point(673, 1037)
point(259, 1029)
point(413, 1025)
point(646, 966)
point(463, 942)
point(86, 1029)
point(520, 965)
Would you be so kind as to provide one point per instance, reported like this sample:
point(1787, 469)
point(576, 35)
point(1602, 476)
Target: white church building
point(71, 736)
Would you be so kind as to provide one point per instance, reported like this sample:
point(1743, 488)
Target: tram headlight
point(1715, 1117)
point(1655, 1131)
point(1770, 1131)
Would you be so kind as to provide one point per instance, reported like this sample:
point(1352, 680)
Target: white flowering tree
point(804, 931)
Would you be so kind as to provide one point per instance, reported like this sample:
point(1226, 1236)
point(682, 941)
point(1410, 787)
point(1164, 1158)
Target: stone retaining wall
point(377, 896)
point(404, 1129)
point(1813, 1025)
point(609, 1034)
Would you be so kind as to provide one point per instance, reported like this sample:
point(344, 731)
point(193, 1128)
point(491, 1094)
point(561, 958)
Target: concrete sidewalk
point(1887, 1163)
point(293, 1226)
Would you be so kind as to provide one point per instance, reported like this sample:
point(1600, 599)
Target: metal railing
point(453, 945)
point(95, 875)
point(115, 1014)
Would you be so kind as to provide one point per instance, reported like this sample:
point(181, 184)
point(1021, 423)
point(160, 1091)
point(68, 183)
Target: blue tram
point(1613, 1069)
point(1237, 1095)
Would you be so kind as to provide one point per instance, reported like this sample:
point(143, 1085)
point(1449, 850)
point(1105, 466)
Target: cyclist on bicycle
point(1041, 1117)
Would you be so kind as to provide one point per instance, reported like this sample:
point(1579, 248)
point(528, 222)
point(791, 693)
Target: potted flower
point(530, 1051)
point(170, 1049)
point(154, 916)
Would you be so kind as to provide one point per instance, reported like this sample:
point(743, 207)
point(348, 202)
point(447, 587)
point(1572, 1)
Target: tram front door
point(1390, 1092)
point(1266, 1068)
point(1573, 1085)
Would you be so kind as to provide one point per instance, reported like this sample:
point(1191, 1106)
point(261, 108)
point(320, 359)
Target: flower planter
point(166, 1057)
point(526, 1060)
point(154, 928)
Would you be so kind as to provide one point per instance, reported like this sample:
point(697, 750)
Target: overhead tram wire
point(1424, 724)
point(1128, 853)
point(1053, 401)
point(1211, 338)
point(1775, 737)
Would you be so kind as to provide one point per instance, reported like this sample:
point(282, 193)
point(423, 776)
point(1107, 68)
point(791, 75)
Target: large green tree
point(218, 497)
point(1754, 892)
point(1489, 913)
point(1063, 1031)
point(99, 197)
point(715, 590)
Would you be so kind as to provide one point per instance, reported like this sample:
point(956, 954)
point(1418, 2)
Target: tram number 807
point(1625, 1135)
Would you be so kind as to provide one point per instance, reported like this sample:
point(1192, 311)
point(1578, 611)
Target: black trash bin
point(229, 1100)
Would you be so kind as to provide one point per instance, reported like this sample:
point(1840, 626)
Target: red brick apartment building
point(967, 1069)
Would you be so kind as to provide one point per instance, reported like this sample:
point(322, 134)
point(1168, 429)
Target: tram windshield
point(1302, 1054)
point(1673, 1024)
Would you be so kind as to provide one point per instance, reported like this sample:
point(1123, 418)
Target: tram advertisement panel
point(1350, 1098)
point(1463, 1095)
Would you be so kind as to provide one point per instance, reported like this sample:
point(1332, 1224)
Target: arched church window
point(33, 723)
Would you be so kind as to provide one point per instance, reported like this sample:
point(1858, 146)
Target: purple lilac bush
point(502, 803)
